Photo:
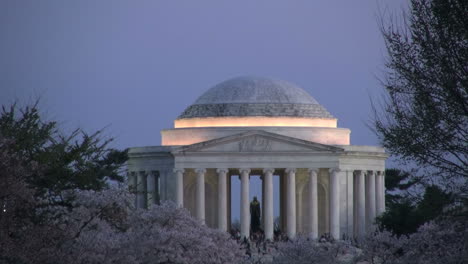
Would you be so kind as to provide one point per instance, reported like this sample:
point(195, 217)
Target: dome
point(255, 96)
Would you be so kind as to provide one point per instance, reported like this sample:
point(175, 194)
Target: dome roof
point(255, 96)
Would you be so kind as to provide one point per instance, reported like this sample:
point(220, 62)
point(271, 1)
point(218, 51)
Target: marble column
point(157, 192)
point(334, 203)
point(245, 207)
point(222, 199)
point(283, 198)
point(382, 174)
point(151, 187)
point(360, 204)
point(132, 184)
point(313, 204)
point(141, 190)
point(268, 203)
point(179, 174)
point(299, 210)
point(200, 195)
point(370, 199)
point(291, 203)
point(378, 193)
point(229, 198)
point(263, 202)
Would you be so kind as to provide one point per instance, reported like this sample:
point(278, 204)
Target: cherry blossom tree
point(164, 234)
point(98, 226)
point(58, 204)
point(443, 242)
point(382, 247)
point(304, 250)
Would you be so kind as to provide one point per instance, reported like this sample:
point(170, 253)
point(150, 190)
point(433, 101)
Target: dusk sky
point(134, 66)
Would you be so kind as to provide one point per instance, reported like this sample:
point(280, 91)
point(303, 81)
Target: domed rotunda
point(253, 126)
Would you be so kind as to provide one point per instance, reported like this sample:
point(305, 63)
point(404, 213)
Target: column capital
point(313, 170)
point(334, 170)
point(222, 170)
point(358, 172)
point(379, 173)
point(370, 172)
point(290, 170)
point(200, 171)
point(245, 170)
point(268, 170)
point(176, 170)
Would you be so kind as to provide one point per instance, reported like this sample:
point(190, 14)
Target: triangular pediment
point(257, 141)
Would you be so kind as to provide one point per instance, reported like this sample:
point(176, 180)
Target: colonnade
point(145, 184)
point(368, 200)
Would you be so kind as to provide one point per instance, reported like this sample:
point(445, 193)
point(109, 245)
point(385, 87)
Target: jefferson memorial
point(258, 126)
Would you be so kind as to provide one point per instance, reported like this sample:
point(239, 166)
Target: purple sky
point(134, 66)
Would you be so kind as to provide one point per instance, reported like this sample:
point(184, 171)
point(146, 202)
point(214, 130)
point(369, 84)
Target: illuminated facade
point(250, 126)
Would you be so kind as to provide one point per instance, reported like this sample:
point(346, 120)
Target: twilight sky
point(134, 66)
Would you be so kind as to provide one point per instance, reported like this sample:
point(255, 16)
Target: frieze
point(254, 144)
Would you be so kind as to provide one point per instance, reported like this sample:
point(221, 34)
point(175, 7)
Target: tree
point(57, 205)
point(426, 110)
point(166, 234)
point(305, 250)
point(41, 173)
point(400, 218)
point(17, 203)
point(405, 216)
point(434, 242)
point(397, 185)
point(383, 247)
point(76, 161)
point(443, 242)
point(98, 226)
point(104, 227)
point(434, 201)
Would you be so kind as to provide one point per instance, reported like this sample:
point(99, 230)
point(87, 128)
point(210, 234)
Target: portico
point(326, 185)
point(320, 182)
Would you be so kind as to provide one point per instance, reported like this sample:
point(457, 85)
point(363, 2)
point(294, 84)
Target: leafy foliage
point(397, 184)
point(445, 242)
point(426, 112)
point(98, 226)
point(405, 216)
point(57, 205)
point(400, 218)
point(76, 161)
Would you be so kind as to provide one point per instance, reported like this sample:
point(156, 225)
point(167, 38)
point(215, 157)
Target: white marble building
point(257, 126)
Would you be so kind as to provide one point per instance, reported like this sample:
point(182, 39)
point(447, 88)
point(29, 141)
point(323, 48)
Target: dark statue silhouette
point(255, 215)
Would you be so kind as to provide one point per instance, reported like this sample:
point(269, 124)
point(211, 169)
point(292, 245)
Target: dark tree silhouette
point(425, 117)
point(67, 162)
